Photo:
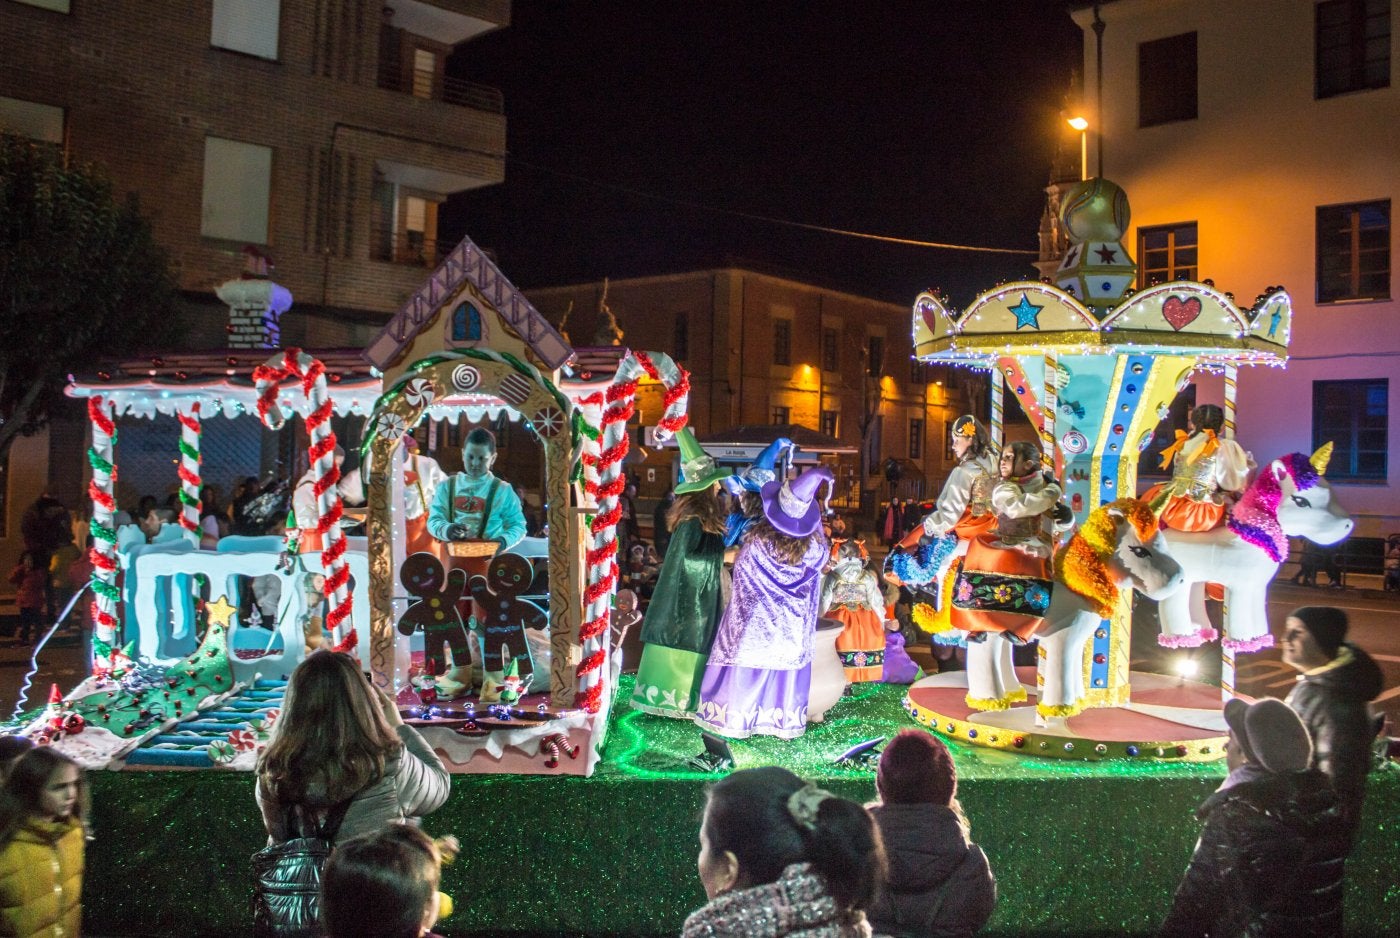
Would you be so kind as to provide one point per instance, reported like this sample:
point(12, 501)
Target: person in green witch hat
point(685, 608)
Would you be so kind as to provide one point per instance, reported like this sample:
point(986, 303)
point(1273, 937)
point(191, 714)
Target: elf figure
point(851, 594)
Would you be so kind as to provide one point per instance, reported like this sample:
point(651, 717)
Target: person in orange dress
point(851, 594)
point(1209, 472)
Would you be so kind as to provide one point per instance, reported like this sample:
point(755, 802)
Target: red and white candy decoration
point(190, 458)
point(267, 378)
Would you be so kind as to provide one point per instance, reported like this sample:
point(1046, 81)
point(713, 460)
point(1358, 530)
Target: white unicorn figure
point(1118, 547)
point(1290, 498)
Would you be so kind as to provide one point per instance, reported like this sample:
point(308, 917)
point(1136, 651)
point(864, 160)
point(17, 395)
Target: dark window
point(828, 422)
point(1167, 80)
point(782, 341)
point(1167, 253)
point(1353, 415)
point(1352, 46)
point(680, 341)
point(918, 372)
point(916, 439)
point(781, 415)
point(831, 355)
point(1353, 252)
point(875, 356)
point(466, 323)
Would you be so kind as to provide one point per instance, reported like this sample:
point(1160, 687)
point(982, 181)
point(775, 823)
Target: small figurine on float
point(963, 512)
point(1209, 473)
point(477, 515)
point(421, 477)
point(759, 673)
point(851, 594)
point(679, 626)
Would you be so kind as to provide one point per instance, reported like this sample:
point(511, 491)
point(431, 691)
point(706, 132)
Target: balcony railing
point(406, 247)
point(430, 85)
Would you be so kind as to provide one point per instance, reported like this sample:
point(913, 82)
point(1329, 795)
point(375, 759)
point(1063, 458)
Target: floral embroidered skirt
point(741, 702)
point(668, 682)
point(861, 643)
point(1001, 590)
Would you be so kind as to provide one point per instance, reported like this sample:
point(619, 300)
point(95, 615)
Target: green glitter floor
point(649, 747)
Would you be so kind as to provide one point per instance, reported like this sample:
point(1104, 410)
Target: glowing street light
point(1082, 125)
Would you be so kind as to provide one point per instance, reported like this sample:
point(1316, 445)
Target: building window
point(916, 439)
point(1167, 253)
point(425, 71)
point(237, 191)
point(1167, 80)
point(782, 416)
point(828, 422)
point(1353, 252)
point(466, 323)
point(248, 26)
point(1352, 46)
point(875, 356)
point(42, 122)
point(831, 349)
point(918, 372)
point(680, 338)
point(782, 341)
point(1353, 415)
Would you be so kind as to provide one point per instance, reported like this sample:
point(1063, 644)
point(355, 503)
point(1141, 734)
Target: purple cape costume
point(760, 665)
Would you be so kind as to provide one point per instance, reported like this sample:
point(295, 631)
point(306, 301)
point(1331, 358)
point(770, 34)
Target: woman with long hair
point(42, 841)
point(340, 739)
point(780, 858)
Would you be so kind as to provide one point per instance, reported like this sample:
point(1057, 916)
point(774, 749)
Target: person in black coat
point(939, 883)
point(1269, 860)
point(1333, 694)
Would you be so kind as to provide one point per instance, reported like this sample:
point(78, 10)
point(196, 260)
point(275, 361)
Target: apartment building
point(1259, 144)
point(323, 133)
point(767, 349)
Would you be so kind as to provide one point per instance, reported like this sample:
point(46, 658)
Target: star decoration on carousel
point(1026, 313)
point(1107, 254)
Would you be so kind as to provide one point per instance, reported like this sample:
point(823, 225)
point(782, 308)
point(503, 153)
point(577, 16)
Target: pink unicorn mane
point(1255, 516)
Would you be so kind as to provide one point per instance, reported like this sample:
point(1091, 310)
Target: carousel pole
point(102, 458)
point(994, 431)
point(1048, 405)
point(1227, 654)
point(190, 459)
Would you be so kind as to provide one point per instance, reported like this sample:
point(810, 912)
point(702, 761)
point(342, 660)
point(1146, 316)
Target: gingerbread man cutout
point(435, 613)
point(505, 614)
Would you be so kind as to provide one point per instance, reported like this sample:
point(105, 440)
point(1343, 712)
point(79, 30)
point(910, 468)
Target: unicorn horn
point(1321, 458)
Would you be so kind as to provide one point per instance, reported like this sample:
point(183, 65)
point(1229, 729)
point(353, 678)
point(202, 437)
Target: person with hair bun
point(1209, 471)
point(940, 882)
point(780, 858)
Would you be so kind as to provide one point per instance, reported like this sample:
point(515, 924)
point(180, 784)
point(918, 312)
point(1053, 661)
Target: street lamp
point(1082, 125)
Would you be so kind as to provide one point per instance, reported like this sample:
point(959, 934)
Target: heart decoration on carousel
point(1181, 313)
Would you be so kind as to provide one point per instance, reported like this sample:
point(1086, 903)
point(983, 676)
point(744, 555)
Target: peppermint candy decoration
point(243, 740)
point(221, 752)
point(548, 421)
point(465, 378)
point(392, 426)
point(420, 392)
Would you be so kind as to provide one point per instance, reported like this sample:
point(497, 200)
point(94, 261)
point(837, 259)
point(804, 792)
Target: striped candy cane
point(1048, 407)
point(1227, 671)
point(294, 363)
point(998, 383)
point(105, 595)
point(1231, 388)
point(190, 459)
point(619, 405)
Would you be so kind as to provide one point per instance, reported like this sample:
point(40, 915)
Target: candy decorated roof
point(1180, 318)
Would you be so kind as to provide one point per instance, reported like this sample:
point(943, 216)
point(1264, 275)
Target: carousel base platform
point(1078, 847)
point(1168, 719)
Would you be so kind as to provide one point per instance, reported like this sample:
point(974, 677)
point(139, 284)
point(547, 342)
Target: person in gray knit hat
point(1269, 860)
point(1336, 684)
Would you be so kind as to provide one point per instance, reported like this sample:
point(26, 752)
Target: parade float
point(1095, 366)
point(182, 678)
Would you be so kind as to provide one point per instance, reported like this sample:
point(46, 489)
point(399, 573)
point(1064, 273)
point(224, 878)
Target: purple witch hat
point(793, 507)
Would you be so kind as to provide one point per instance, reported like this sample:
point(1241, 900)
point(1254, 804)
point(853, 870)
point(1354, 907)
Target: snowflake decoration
point(548, 421)
point(392, 427)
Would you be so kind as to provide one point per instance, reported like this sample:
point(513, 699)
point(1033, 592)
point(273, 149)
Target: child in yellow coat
point(42, 841)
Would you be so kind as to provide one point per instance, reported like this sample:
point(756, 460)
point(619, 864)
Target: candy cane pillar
point(105, 595)
point(190, 459)
point(267, 377)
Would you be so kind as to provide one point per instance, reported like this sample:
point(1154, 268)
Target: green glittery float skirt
point(668, 682)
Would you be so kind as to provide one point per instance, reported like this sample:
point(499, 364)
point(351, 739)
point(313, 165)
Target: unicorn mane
point(1255, 516)
point(1083, 564)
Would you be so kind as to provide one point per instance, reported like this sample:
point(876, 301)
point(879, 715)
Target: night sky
point(935, 120)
